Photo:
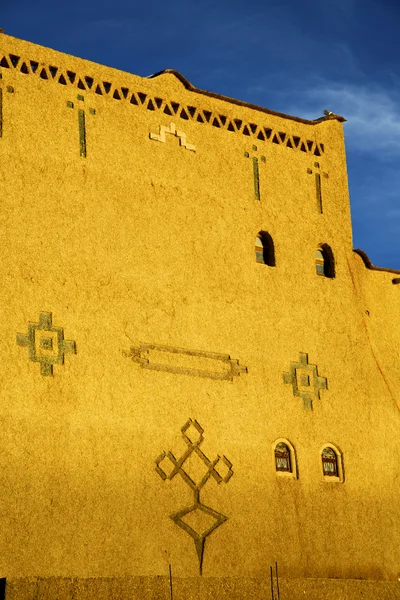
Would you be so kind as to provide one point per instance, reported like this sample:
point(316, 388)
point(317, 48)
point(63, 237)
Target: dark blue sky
point(293, 56)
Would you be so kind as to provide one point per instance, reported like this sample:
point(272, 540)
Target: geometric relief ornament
point(160, 137)
point(318, 187)
point(197, 520)
point(305, 380)
point(82, 124)
point(256, 174)
point(46, 343)
point(186, 362)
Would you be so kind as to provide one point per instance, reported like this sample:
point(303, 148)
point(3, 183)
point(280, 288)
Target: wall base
point(205, 588)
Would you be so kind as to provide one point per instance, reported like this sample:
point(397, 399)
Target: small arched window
point(282, 458)
point(324, 261)
point(330, 463)
point(265, 251)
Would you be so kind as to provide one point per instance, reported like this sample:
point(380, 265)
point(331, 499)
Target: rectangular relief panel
point(186, 362)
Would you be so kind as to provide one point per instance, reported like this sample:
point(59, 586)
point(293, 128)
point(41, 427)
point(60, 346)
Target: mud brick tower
point(198, 371)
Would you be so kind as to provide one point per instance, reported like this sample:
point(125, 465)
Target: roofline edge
point(367, 262)
point(192, 88)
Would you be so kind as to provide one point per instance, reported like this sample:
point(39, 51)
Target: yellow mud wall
point(133, 248)
point(198, 588)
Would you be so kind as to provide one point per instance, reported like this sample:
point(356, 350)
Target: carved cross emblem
point(318, 188)
point(256, 175)
point(82, 124)
point(198, 520)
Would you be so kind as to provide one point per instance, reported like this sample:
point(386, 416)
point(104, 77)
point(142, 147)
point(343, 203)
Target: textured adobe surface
point(141, 250)
point(205, 588)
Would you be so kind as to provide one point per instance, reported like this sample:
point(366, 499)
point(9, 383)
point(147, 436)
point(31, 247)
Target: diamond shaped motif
point(192, 433)
point(224, 469)
point(200, 519)
point(165, 466)
point(46, 343)
point(196, 469)
point(305, 381)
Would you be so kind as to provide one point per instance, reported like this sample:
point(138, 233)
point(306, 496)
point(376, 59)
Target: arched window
point(329, 462)
point(324, 261)
point(265, 251)
point(282, 457)
point(332, 465)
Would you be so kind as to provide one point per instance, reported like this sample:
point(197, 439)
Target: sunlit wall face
point(151, 359)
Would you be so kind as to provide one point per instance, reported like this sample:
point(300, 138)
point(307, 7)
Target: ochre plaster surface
point(139, 244)
point(199, 588)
